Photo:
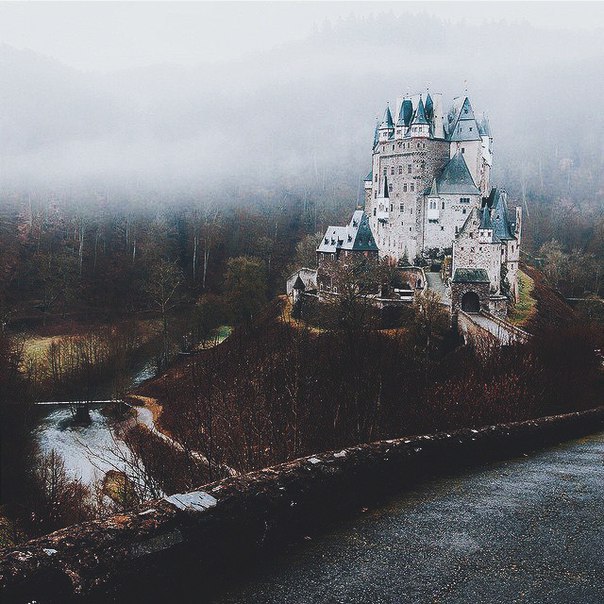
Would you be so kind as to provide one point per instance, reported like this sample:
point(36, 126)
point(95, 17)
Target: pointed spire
point(485, 219)
point(376, 134)
point(433, 189)
point(387, 122)
point(406, 112)
point(429, 107)
point(420, 114)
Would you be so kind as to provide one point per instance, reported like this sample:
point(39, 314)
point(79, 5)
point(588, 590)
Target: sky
point(106, 36)
point(285, 93)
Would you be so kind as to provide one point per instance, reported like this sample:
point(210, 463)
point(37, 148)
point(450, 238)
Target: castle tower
point(386, 129)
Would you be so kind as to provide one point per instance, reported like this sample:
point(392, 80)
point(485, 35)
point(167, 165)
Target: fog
point(207, 97)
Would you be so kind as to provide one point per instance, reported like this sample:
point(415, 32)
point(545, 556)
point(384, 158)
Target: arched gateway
point(470, 290)
point(470, 302)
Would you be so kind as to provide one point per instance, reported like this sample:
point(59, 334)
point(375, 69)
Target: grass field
point(526, 306)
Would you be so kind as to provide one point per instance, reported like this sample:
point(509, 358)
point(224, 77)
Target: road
point(436, 283)
point(528, 530)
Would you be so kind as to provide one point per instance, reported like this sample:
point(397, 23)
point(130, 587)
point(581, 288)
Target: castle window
point(464, 211)
point(470, 128)
point(464, 200)
point(392, 207)
point(409, 168)
point(375, 178)
point(385, 171)
point(405, 188)
point(471, 235)
point(412, 187)
point(390, 187)
point(463, 150)
point(443, 205)
point(375, 195)
point(442, 228)
point(400, 169)
point(401, 208)
point(433, 221)
point(374, 210)
point(433, 204)
point(418, 145)
point(392, 171)
point(423, 164)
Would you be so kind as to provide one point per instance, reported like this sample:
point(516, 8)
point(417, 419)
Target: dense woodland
point(102, 268)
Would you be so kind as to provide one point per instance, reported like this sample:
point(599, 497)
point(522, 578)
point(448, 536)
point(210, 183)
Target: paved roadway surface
point(436, 283)
point(528, 530)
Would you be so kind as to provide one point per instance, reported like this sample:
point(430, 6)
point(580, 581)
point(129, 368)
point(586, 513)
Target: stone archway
point(470, 302)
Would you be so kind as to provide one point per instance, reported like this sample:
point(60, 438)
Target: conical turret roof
point(387, 122)
point(386, 192)
point(429, 107)
point(420, 114)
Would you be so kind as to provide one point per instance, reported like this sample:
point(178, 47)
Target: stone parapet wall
point(218, 529)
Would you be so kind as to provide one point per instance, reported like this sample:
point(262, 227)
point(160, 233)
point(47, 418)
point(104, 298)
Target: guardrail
point(224, 526)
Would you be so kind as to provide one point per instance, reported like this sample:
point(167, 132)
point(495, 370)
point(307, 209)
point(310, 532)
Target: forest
point(108, 281)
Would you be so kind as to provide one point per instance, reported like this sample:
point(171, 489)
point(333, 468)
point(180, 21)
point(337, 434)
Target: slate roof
point(420, 114)
point(386, 191)
point(471, 275)
point(355, 236)
point(484, 126)
point(485, 219)
point(369, 176)
point(461, 121)
point(387, 122)
point(429, 107)
point(406, 113)
point(502, 229)
point(455, 178)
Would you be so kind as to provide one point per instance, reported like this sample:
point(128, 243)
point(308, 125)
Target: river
point(88, 451)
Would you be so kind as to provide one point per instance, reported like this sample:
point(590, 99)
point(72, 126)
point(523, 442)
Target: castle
point(429, 194)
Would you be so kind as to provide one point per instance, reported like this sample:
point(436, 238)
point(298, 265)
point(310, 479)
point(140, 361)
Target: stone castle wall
point(409, 163)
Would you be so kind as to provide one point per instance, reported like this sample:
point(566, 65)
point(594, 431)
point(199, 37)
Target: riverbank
point(199, 536)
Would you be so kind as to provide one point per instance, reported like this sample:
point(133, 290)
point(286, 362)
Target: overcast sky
point(114, 35)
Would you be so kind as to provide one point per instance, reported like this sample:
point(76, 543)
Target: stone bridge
point(483, 327)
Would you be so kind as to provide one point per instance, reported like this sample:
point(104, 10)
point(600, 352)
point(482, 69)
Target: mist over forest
point(302, 115)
